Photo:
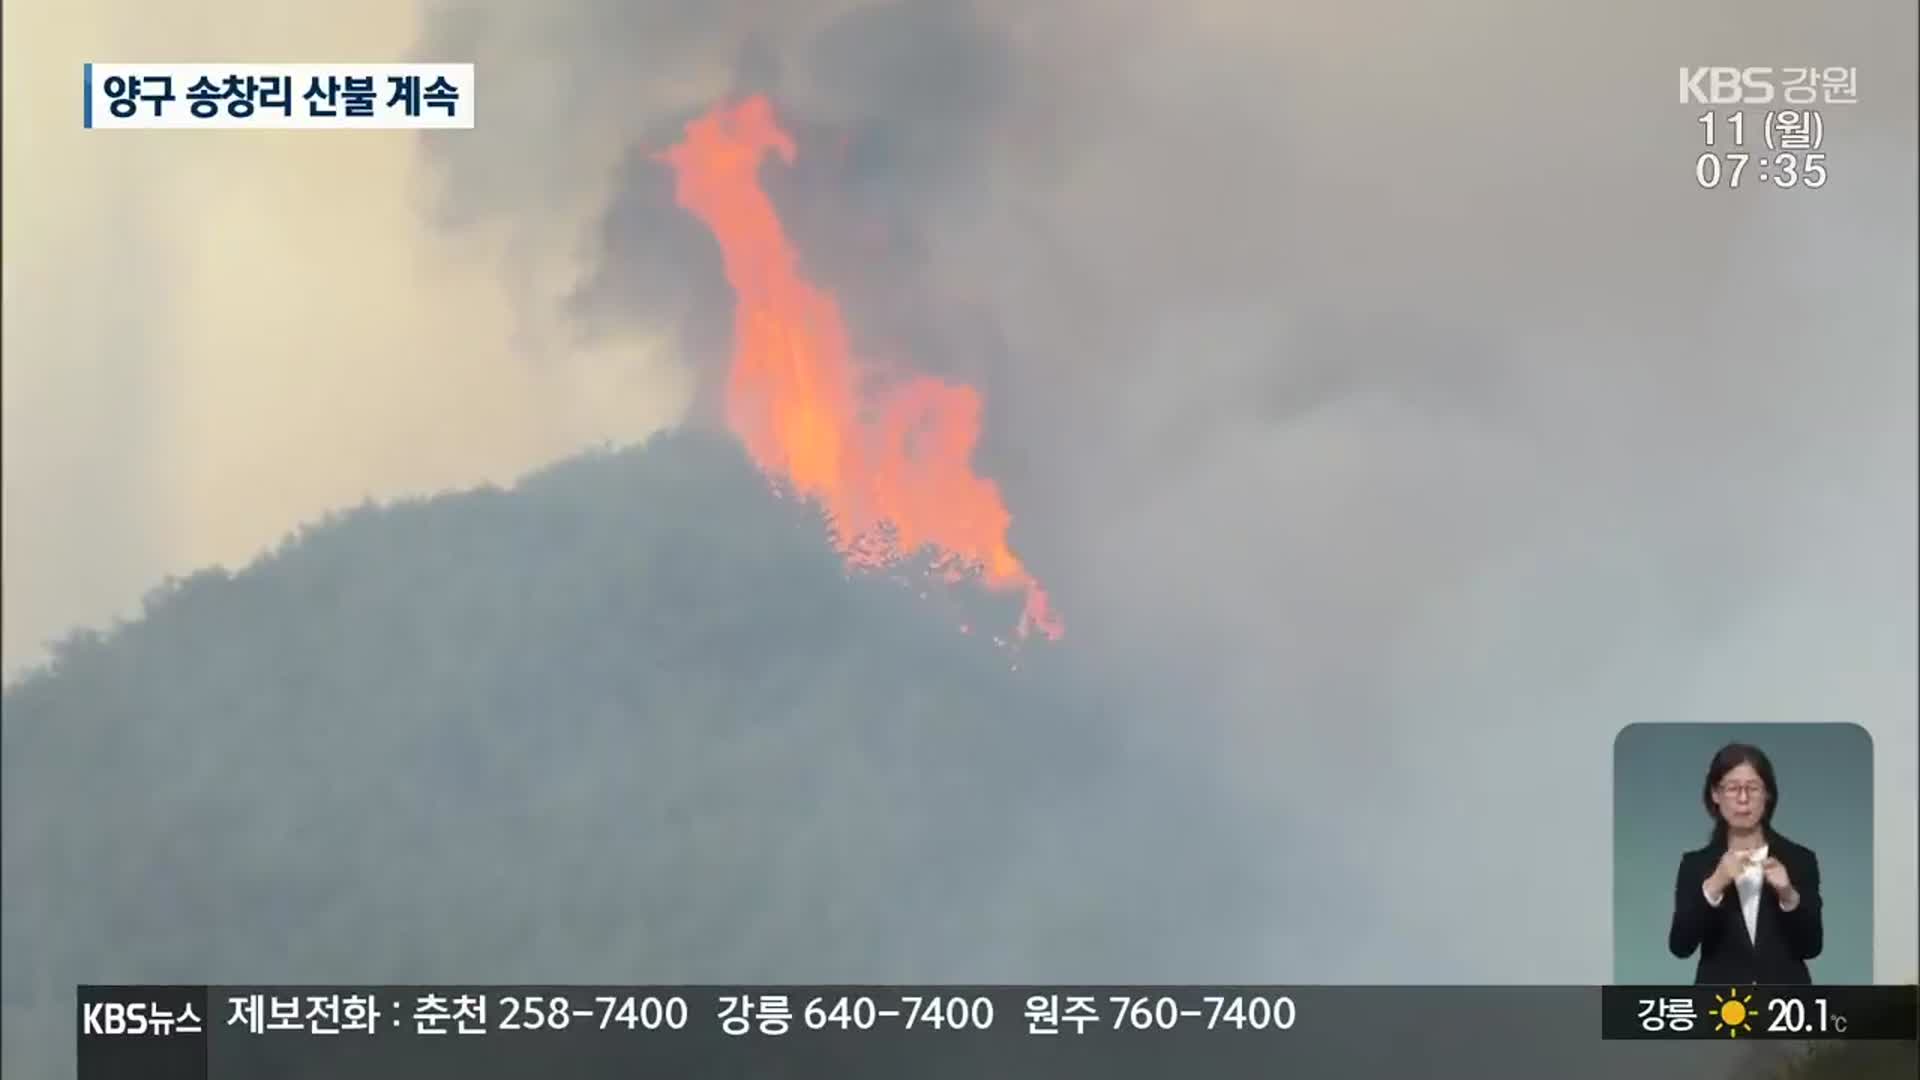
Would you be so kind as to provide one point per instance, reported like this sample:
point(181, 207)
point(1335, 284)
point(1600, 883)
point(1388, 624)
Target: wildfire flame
point(891, 464)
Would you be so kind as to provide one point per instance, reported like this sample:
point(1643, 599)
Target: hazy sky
point(1378, 376)
point(210, 338)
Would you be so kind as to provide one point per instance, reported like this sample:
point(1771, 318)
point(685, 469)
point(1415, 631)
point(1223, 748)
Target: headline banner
point(282, 97)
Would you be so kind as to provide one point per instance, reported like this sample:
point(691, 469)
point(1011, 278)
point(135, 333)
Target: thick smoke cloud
point(1379, 382)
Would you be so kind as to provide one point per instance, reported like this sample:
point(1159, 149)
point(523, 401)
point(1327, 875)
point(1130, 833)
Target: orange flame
point(891, 466)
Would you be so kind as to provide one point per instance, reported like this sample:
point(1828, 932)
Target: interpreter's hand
point(1725, 873)
point(1776, 875)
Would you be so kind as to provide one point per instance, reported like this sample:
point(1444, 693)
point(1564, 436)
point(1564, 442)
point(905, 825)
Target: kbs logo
point(1726, 86)
point(113, 1018)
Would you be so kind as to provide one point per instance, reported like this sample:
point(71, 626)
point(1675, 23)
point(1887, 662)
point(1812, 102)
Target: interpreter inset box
point(1749, 846)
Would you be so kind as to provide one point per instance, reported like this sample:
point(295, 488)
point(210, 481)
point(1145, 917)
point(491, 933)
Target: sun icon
point(1732, 1013)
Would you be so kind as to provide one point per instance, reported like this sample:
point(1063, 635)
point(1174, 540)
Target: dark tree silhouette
point(628, 722)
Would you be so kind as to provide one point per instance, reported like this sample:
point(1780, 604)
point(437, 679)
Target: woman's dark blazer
point(1783, 941)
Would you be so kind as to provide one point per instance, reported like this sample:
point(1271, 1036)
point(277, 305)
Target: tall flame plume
point(889, 462)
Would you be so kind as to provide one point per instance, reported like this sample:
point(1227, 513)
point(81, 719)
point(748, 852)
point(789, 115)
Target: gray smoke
point(1375, 389)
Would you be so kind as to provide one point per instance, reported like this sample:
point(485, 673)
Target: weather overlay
point(1758, 1012)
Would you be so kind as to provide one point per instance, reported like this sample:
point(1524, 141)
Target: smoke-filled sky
point(1374, 380)
point(211, 339)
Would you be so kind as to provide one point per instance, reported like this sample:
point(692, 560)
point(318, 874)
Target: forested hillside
point(627, 722)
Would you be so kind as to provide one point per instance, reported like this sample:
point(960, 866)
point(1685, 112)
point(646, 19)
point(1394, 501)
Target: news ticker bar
point(277, 96)
point(235, 1031)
